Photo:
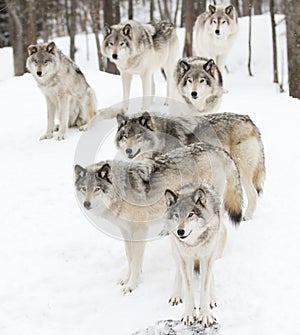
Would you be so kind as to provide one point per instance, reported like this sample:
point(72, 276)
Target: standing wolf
point(198, 82)
point(131, 194)
point(67, 93)
point(215, 32)
point(198, 235)
point(141, 49)
point(146, 135)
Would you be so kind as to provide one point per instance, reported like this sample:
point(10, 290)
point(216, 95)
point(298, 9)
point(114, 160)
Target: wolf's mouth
point(133, 155)
point(184, 237)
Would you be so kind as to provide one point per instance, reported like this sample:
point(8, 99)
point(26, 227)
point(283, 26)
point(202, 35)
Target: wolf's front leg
point(50, 120)
point(148, 83)
point(63, 116)
point(186, 269)
point(177, 288)
point(126, 85)
point(205, 317)
point(128, 250)
point(137, 255)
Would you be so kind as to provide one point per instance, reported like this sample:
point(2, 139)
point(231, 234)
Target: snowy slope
point(59, 273)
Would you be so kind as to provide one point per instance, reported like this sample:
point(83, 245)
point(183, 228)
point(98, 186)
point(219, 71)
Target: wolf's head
point(198, 78)
point(117, 42)
point(221, 19)
point(92, 183)
point(191, 212)
point(42, 59)
point(136, 135)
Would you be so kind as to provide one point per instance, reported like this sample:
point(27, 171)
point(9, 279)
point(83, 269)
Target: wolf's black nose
point(128, 151)
point(87, 204)
point(194, 94)
point(39, 73)
point(180, 232)
point(114, 56)
point(218, 31)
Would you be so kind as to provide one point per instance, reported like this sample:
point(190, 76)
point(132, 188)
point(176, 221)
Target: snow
point(59, 273)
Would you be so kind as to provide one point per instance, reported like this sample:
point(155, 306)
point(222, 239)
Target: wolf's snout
point(180, 232)
point(39, 73)
point(114, 56)
point(87, 204)
point(128, 151)
point(217, 31)
point(194, 94)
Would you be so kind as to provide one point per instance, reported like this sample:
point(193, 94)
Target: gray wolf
point(68, 95)
point(199, 235)
point(130, 194)
point(146, 135)
point(141, 49)
point(215, 32)
point(199, 83)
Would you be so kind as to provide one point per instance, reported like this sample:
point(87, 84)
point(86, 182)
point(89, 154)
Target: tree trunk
point(30, 22)
point(274, 42)
point(16, 39)
point(250, 36)
point(246, 4)
point(188, 44)
point(200, 7)
point(72, 29)
point(117, 11)
point(293, 46)
point(167, 15)
point(257, 7)
point(160, 10)
point(176, 13)
point(151, 10)
point(130, 10)
point(95, 16)
point(183, 10)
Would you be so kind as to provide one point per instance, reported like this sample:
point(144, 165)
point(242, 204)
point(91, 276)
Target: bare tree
point(176, 13)
point(151, 10)
point(246, 4)
point(257, 7)
point(249, 38)
point(167, 15)
point(236, 5)
point(16, 33)
point(293, 46)
point(160, 10)
point(130, 10)
point(188, 43)
point(274, 42)
point(183, 10)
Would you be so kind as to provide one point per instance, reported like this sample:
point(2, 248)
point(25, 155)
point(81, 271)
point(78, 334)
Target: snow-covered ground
point(59, 274)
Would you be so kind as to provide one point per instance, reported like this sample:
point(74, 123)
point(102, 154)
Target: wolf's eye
point(191, 214)
point(45, 61)
point(97, 189)
point(215, 21)
point(35, 60)
point(111, 44)
point(124, 138)
point(202, 81)
point(190, 81)
point(138, 136)
point(83, 189)
point(121, 44)
point(223, 22)
point(176, 215)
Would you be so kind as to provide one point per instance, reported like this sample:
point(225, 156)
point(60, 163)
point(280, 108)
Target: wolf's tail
point(260, 170)
point(233, 197)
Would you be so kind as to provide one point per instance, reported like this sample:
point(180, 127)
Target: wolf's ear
point(146, 121)
point(51, 47)
point(107, 29)
point(171, 198)
point(121, 119)
point(210, 67)
point(79, 171)
point(199, 197)
point(127, 30)
point(32, 49)
point(183, 66)
point(105, 173)
point(229, 10)
point(212, 9)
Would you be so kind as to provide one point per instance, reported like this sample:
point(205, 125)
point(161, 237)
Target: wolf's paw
point(206, 319)
point(60, 137)
point(212, 304)
point(175, 300)
point(129, 287)
point(122, 281)
point(188, 319)
point(83, 128)
point(46, 136)
point(247, 217)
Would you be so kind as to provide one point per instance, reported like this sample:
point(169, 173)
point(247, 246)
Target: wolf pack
point(187, 169)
